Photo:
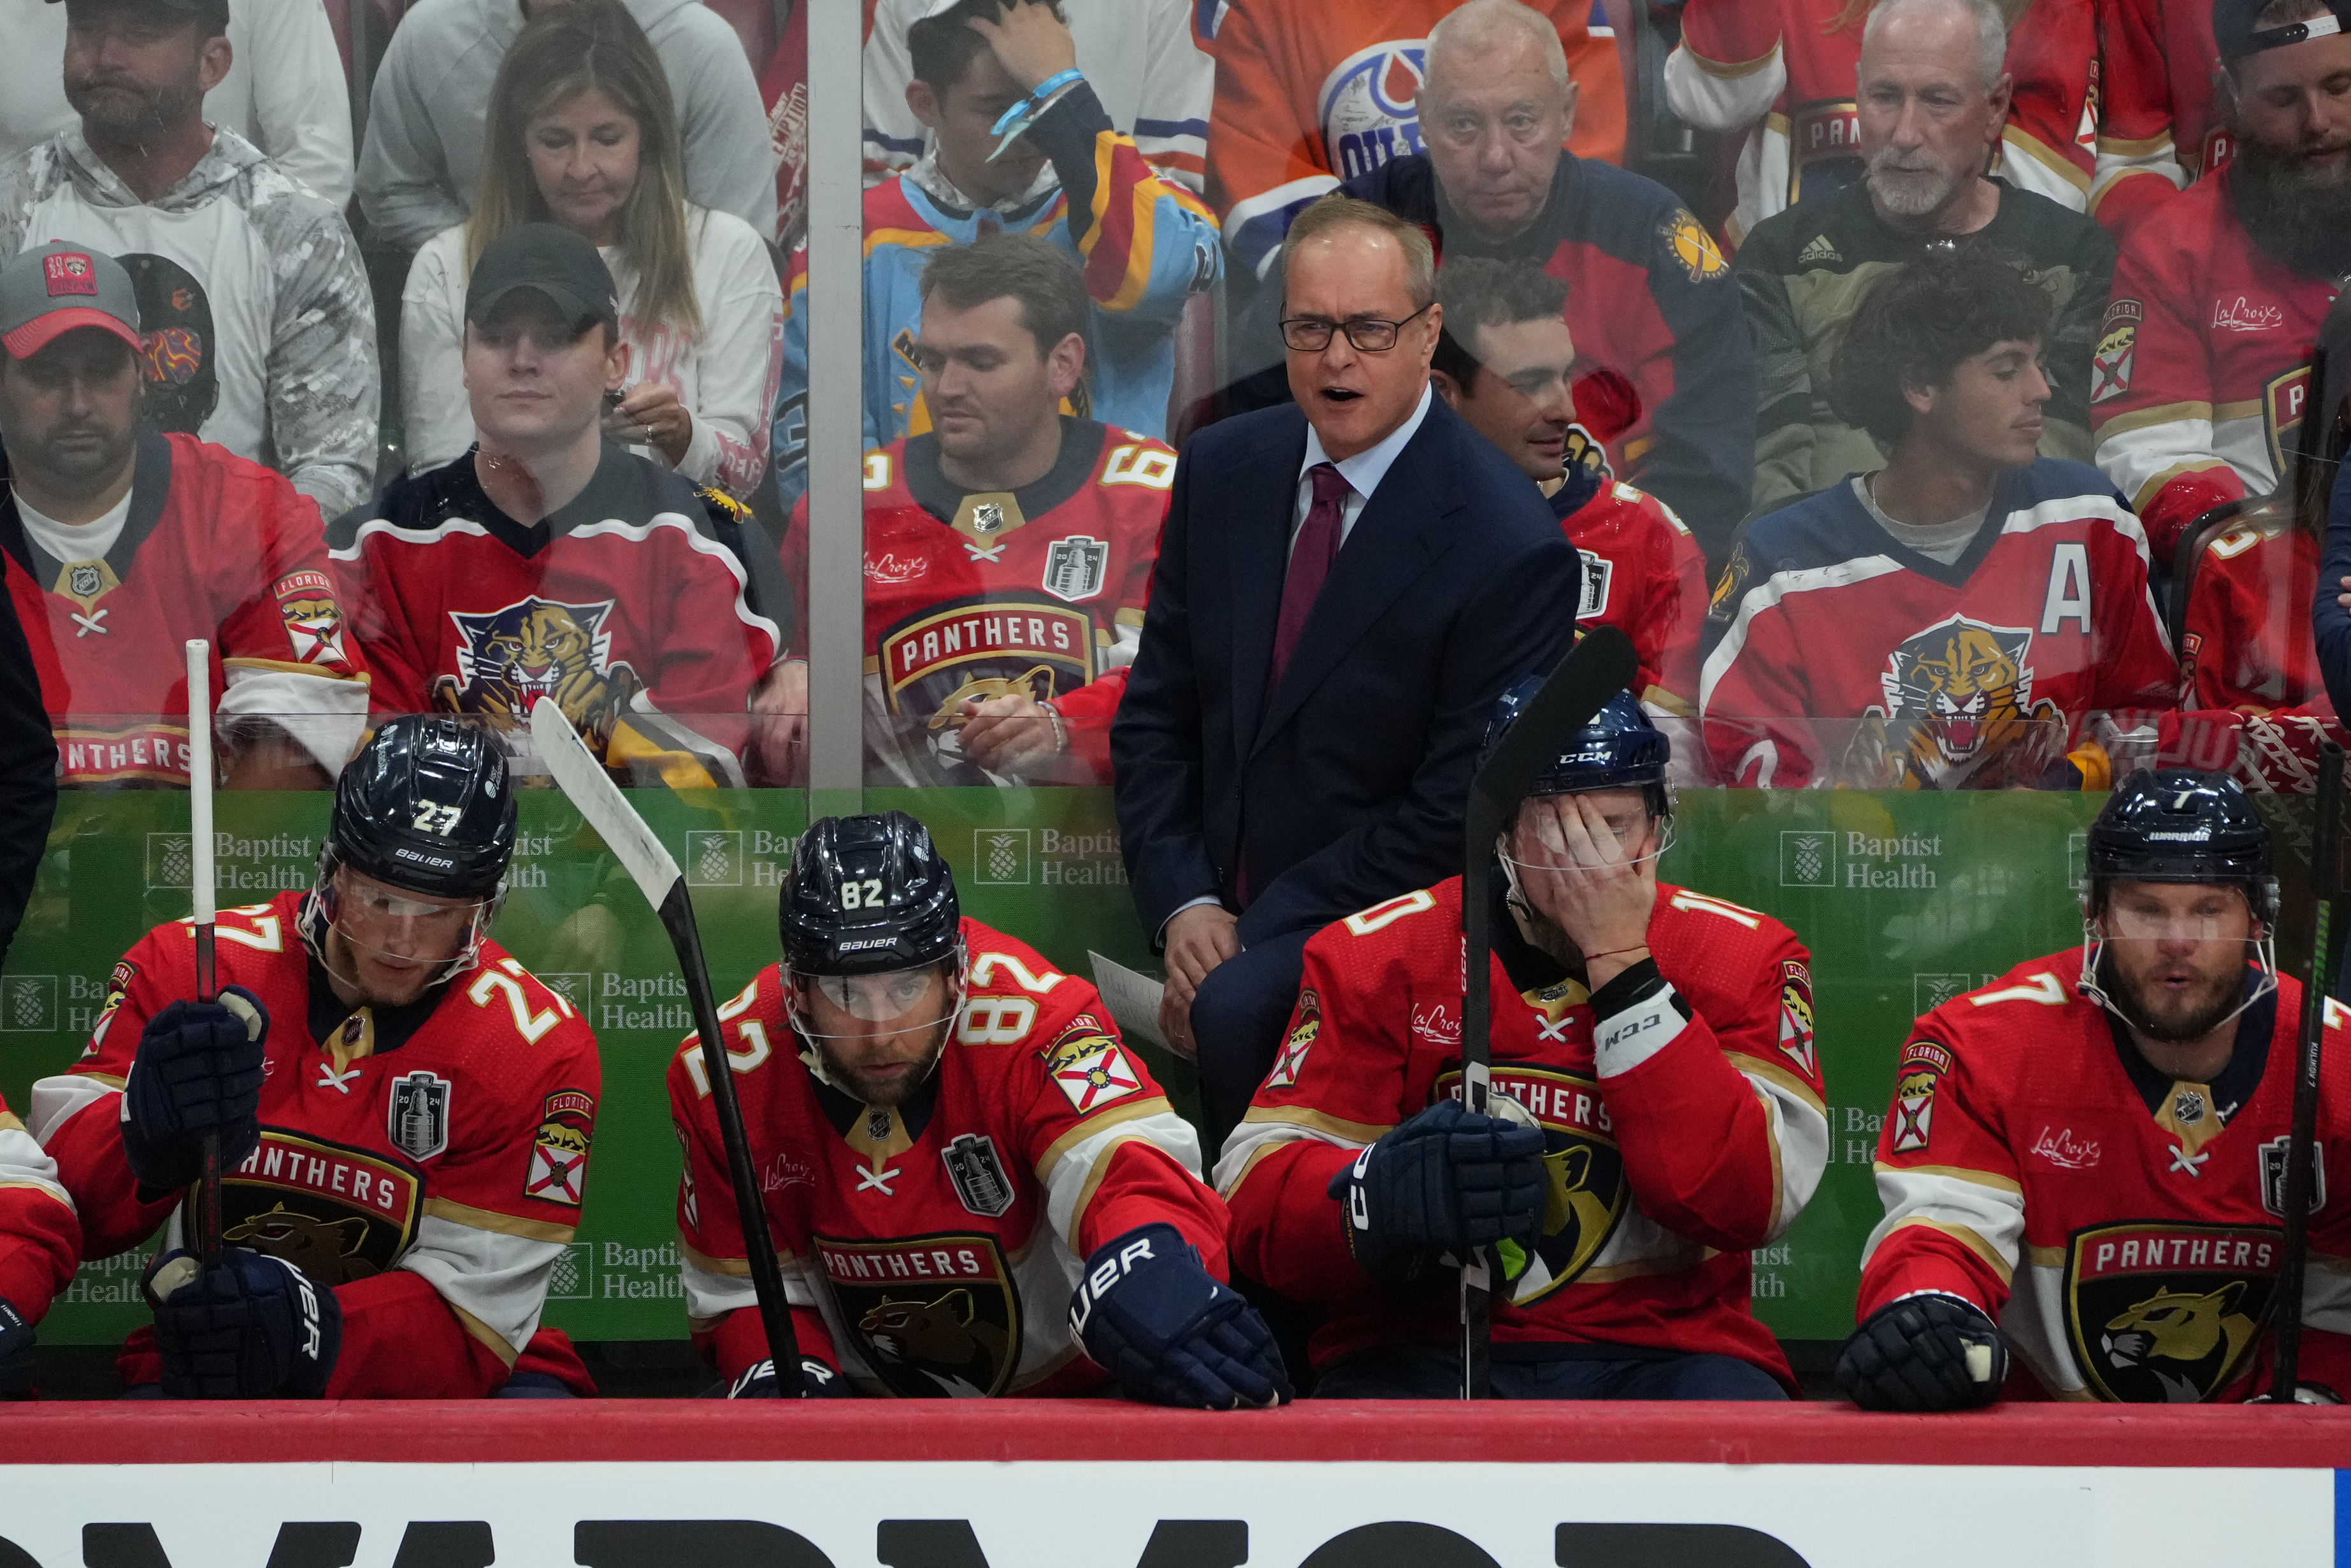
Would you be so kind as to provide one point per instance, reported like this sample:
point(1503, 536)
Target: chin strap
point(813, 1059)
point(2091, 989)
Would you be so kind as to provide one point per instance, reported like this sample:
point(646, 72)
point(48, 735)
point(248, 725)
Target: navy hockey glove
point(1167, 1331)
point(818, 1381)
point(1928, 1352)
point(249, 1327)
point(199, 1070)
point(1447, 1180)
point(16, 1354)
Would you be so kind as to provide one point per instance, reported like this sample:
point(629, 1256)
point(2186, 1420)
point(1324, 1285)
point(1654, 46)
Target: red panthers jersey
point(1644, 574)
point(214, 548)
point(2247, 641)
point(1836, 654)
point(1668, 1159)
point(2159, 127)
point(930, 1249)
point(40, 1236)
point(2122, 1226)
point(2203, 364)
point(972, 596)
point(426, 1162)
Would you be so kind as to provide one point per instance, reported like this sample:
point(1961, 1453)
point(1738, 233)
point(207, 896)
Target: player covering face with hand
point(1658, 1112)
point(974, 1189)
point(403, 1112)
point(2084, 1160)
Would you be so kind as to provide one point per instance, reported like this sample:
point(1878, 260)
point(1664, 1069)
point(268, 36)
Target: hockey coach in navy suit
point(1343, 587)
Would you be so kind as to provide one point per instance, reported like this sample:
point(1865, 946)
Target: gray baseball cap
point(49, 292)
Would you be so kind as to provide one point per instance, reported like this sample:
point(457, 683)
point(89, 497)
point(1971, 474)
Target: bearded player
point(2084, 1160)
point(1659, 1113)
point(1961, 617)
point(974, 1189)
point(403, 1112)
point(1008, 549)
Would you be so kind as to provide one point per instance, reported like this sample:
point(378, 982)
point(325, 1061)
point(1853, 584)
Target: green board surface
point(1903, 899)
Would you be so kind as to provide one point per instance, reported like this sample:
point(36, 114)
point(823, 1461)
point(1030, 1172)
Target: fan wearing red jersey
point(40, 1247)
point(552, 562)
point(2161, 125)
point(1659, 1113)
point(403, 1112)
point(2202, 368)
point(1955, 619)
point(120, 546)
point(974, 1189)
point(2084, 1162)
point(1008, 550)
point(1505, 361)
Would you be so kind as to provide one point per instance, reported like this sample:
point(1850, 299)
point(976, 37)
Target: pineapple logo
point(573, 988)
point(1931, 991)
point(573, 1278)
point(1807, 858)
point(30, 1004)
point(714, 858)
point(1002, 855)
point(171, 861)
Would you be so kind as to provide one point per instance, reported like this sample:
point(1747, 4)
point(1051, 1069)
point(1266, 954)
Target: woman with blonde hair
point(581, 132)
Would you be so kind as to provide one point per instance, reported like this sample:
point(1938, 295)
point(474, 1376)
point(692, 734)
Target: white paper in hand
point(1133, 998)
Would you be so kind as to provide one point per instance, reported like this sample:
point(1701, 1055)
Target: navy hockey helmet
point(426, 807)
point(1619, 750)
point(868, 894)
point(2176, 824)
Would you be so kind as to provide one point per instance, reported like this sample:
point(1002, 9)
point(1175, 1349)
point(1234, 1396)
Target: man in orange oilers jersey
point(1668, 1113)
point(975, 1188)
point(2084, 1162)
point(404, 1114)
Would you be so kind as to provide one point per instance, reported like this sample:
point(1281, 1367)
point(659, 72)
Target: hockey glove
point(818, 1381)
point(1447, 1180)
point(16, 1354)
point(1167, 1331)
point(198, 1070)
point(249, 1327)
point(1926, 1352)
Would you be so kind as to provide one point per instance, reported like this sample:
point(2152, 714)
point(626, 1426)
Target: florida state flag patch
point(558, 1154)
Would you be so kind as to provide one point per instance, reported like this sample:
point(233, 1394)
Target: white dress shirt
point(1363, 472)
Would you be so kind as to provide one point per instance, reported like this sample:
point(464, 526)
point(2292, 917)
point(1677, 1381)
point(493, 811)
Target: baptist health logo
point(28, 1003)
point(1929, 991)
point(1807, 857)
point(714, 858)
point(171, 861)
point(1003, 856)
point(574, 1277)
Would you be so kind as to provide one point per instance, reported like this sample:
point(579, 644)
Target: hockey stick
point(600, 800)
point(1601, 664)
point(207, 1225)
point(2301, 1161)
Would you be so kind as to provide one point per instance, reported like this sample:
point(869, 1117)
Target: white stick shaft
point(200, 776)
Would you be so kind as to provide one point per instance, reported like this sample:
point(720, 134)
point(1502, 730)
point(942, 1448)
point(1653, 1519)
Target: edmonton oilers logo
point(1370, 109)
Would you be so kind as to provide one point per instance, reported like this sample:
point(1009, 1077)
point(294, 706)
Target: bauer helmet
point(427, 807)
point(2180, 825)
point(1619, 750)
point(868, 894)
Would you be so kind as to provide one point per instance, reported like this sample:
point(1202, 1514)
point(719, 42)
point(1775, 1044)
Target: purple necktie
point(1310, 564)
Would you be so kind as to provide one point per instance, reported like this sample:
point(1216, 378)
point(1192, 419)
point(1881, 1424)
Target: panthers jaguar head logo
point(946, 1340)
point(510, 658)
point(1959, 696)
point(326, 1250)
point(2183, 1328)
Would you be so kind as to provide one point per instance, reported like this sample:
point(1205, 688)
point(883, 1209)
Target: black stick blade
point(1600, 664)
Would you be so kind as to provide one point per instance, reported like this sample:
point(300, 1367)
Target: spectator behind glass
point(260, 328)
point(580, 133)
point(1152, 77)
point(1954, 619)
point(1668, 382)
point(1038, 525)
point(285, 91)
point(1934, 98)
point(422, 161)
point(121, 545)
point(550, 561)
point(1505, 362)
point(1145, 244)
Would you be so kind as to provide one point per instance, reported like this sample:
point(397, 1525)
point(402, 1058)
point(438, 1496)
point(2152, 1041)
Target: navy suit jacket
point(1345, 785)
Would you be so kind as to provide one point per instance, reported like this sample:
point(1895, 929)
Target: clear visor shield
point(1556, 833)
point(402, 929)
point(2174, 927)
point(900, 1001)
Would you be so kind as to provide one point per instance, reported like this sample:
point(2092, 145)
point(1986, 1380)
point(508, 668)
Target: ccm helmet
point(2179, 825)
point(869, 895)
point(1619, 750)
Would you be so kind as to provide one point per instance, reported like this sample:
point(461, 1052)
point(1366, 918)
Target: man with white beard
point(1933, 98)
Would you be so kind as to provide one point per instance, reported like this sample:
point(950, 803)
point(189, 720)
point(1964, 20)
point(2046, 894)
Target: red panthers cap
point(47, 292)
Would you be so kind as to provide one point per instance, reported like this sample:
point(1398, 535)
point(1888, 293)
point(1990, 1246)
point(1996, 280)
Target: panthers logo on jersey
point(2162, 1313)
point(1585, 1194)
point(1958, 706)
point(510, 658)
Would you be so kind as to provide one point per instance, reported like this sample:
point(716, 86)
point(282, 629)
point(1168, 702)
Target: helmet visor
point(905, 996)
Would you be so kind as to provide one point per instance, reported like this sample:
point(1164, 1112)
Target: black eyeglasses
point(1312, 334)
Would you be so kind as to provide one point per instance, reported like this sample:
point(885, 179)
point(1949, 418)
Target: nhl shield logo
point(1075, 566)
point(85, 580)
point(987, 517)
point(2161, 1312)
point(978, 1175)
point(933, 1317)
point(418, 1120)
